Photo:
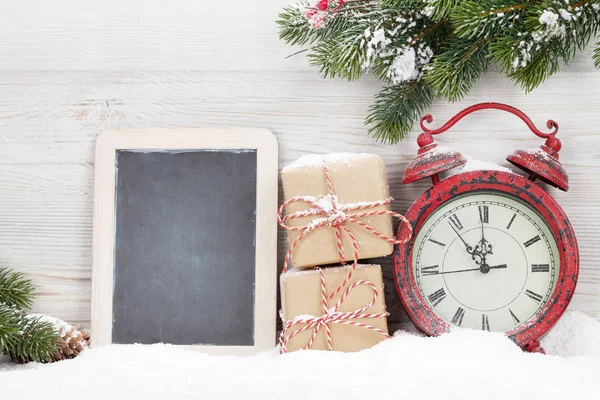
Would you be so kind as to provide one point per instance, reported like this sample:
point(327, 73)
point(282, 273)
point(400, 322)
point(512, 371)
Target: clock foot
point(534, 347)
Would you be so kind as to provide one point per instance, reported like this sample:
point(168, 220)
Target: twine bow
point(329, 211)
point(332, 316)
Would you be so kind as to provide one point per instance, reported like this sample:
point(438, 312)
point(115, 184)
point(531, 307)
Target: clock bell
point(542, 163)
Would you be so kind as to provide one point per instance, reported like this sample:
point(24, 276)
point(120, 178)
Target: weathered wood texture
point(70, 69)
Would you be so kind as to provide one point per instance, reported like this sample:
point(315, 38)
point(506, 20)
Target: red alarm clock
point(491, 249)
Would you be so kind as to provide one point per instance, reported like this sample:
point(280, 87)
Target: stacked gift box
point(337, 211)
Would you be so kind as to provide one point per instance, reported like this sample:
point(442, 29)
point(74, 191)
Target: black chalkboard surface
point(174, 249)
point(182, 250)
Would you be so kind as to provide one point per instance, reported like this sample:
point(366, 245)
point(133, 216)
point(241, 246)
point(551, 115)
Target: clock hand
point(482, 233)
point(487, 267)
point(455, 272)
point(467, 246)
point(483, 247)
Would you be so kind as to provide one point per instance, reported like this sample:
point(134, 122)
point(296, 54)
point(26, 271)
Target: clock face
point(485, 260)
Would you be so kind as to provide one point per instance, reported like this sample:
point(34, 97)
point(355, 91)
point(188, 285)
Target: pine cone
point(72, 340)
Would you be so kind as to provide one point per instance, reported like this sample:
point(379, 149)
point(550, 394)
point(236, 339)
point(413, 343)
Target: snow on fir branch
point(421, 49)
point(22, 335)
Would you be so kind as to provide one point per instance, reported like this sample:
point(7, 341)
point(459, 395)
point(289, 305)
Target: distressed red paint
point(426, 164)
point(543, 165)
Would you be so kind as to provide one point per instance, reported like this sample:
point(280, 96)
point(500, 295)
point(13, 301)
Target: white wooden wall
point(71, 68)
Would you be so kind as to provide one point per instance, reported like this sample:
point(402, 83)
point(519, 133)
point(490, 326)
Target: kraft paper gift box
point(301, 297)
point(356, 179)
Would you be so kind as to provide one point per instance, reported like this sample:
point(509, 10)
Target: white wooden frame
point(266, 220)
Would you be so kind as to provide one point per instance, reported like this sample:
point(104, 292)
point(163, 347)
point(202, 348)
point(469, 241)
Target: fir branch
point(345, 54)
point(552, 34)
point(9, 327)
point(425, 43)
point(420, 34)
point(439, 9)
point(294, 29)
point(402, 5)
point(15, 290)
point(39, 341)
point(476, 19)
point(25, 338)
point(21, 336)
point(396, 108)
point(454, 71)
point(412, 47)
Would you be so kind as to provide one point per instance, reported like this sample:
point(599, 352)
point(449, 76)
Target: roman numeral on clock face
point(433, 270)
point(436, 297)
point(540, 267)
point(531, 241)
point(455, 222)
point(484, 214)
point(458, 316)
point(514, 317)
point(511, 221)
point(485, 322)
point(436, 242)
point(534, 296)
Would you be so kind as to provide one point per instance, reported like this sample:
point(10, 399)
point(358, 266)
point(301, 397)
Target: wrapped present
point(319, 314)
point(337, 208)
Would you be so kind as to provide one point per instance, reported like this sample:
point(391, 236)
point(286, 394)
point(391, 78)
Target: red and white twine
point(329, 212)
point(332, 316)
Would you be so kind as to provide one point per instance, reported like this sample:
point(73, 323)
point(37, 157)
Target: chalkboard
point(174, 249)
point(185, 242)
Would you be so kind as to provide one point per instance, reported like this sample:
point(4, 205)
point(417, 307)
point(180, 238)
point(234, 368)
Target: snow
point(64, 328)
point(551, 25)
point(409, 63)
point(575, 334)
point(317, 160)
point(548, 18)
point(565, 14)
point(439, 151)
point(464, 364)
point(428, 11)
point(405, 63)
point(376, 45)
point(537, 151)
point(478, 165)
point(403, 66)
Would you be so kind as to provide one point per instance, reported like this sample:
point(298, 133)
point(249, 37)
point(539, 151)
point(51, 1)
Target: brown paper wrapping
point(301, 295)
point(356, 178)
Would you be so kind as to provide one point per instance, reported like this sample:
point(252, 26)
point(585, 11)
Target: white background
point(71, 68)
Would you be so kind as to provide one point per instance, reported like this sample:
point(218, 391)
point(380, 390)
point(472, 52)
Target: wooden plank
point(49, 122)
point(224, 35)
point(150, 35)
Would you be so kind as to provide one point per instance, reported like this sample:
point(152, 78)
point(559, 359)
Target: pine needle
point(396, 108)
point(419, 49)
point(15, 290)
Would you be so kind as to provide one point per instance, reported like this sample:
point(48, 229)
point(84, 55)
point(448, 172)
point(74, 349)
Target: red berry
point(323, 5)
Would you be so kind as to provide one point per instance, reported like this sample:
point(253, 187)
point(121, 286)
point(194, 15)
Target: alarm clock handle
point(551, 141)
point(551, 124)
point(541, 163)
